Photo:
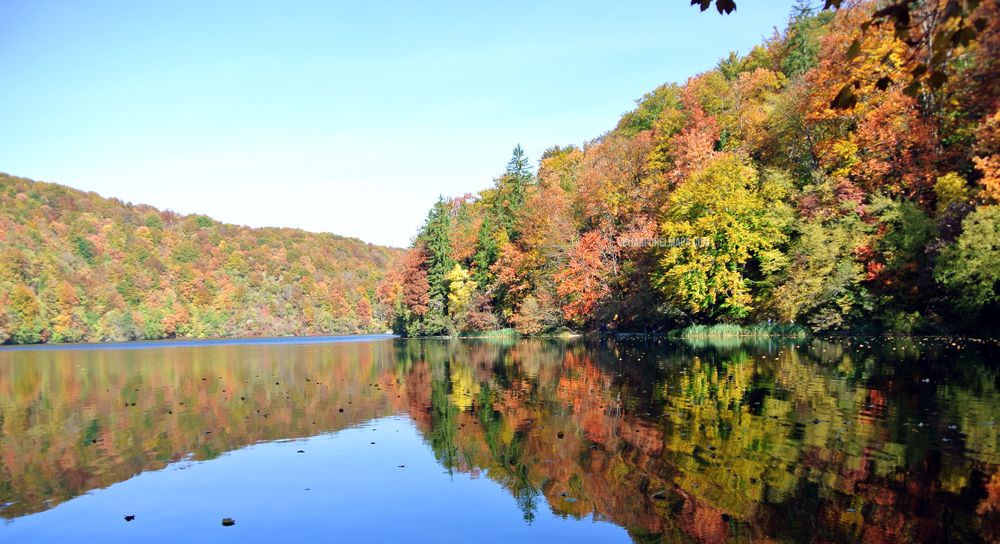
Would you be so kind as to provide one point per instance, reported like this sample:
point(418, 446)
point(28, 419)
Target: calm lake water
point(388, 440)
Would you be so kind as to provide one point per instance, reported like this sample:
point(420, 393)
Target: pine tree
point(435, 236)
point(802, 45)
point(504, 205)
point(511, 190)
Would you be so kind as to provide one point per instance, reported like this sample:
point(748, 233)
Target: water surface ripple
point(388, 440)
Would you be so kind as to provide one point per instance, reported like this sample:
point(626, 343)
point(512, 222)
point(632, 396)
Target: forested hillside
point(76, 267)
point(842, 175)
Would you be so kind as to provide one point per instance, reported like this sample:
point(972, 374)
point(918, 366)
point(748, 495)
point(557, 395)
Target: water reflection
point(840, 439)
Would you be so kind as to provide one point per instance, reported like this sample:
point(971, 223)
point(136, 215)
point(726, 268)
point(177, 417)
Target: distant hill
point(77, 267)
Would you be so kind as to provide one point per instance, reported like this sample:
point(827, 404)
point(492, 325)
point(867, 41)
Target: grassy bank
point(753, 331)
point(499, 333)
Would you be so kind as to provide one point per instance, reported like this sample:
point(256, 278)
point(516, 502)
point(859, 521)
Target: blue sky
point(331, 116)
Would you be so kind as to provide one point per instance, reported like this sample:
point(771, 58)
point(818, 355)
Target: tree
point(950, 188)
point(560, 166)
point(802, 44)
point(460, 290)
point(507, 199)
point(436, 240)
point(528, 319)
point(987, 158)
point(686, 140)
point(416, 288)
point(934, 33)
point(648, 109)
point(502, 203)
point(970, 267)
point(717, 222)
point(583, 284)
point(364, 310)
point(24, 308)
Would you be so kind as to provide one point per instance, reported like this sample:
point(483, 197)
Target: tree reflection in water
point(826, 439)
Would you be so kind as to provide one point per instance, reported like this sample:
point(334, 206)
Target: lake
point(380, 439)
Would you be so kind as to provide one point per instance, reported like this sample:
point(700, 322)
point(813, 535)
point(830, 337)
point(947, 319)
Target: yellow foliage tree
point(950, 188)
point(714, 223)
point(460, 289)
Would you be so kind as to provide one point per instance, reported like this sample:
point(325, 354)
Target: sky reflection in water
point(847, 440)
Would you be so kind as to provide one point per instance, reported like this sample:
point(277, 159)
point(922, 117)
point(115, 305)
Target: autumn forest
point(75, 267)
point(840, 176)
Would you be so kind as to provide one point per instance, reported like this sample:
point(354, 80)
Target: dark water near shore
point(387, 440)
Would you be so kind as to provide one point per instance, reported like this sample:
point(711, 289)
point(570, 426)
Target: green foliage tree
point(971, 266)
point(718, 221)
point(648, 109)
point(822, 283)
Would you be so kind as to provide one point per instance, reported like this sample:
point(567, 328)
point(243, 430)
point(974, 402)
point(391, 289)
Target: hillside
point(77, 267)
point(842, 175)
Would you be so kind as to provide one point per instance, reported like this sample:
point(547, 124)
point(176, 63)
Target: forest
point(76, 267)
point(843, 175)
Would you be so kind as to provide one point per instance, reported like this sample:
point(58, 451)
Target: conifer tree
point(435, 236)
point(504, 202)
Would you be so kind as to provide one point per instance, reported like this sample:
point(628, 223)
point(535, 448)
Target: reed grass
point(724, 330)
point(499, 333)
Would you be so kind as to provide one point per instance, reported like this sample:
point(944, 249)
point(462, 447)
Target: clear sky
point(344, 117)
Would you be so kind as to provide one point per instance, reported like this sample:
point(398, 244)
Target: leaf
point(937, 79)
point(940, 41)
point(939, 57)
point(964, 36)
point(703, 4)
point(854, 50)
point(883, 83)
point(899, 13)
point(725, 6)
point(845, 99)
point(951, 10)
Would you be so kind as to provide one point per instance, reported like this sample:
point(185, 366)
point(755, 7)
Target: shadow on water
point(702, 440)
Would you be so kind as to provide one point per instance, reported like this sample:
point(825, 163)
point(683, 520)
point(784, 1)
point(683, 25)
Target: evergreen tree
point(488, 252)
point(436, 237)
point(802, 45)
point(511, 190)
point(504, 203)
